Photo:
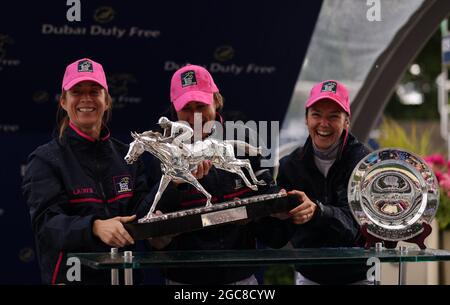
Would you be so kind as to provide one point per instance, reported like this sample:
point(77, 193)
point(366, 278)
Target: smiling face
point(85, 104)
point(187, 113)
point(326, 120)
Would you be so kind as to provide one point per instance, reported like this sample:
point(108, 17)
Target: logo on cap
point(329, 87)
point(85, 66)
point(188, 79)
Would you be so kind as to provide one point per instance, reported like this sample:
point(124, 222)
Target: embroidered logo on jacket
point(122, 184)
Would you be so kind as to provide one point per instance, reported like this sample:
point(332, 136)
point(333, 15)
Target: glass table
point(261, 257)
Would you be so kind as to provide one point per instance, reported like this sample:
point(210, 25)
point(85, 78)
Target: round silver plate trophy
point(393, 194)
point(178, 161)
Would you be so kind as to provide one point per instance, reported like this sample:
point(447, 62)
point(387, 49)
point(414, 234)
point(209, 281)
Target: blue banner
point(254, 50)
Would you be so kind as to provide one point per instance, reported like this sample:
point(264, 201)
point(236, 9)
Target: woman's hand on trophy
point(202, 169)
point(304, 212)
point(160, 242)
point(281, 215)
point(112, 232)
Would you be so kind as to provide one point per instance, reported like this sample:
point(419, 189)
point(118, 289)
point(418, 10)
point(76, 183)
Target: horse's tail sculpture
point(244, 146)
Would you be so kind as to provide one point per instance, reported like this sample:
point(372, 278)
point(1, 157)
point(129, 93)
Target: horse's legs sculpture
point(248, 166)
point(163, 183)
point(189, 178)
point(186, 176)
point(234, 168)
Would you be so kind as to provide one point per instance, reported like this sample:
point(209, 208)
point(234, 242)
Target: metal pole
point(402, 267)
point(401, 273)
point(444, 27)
point(443, 93)
point(128, 274)
point(378, 249)
point(114, 272)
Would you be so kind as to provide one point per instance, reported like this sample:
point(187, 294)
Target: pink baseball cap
point(332, 90)
point(191, 83)
point(81, 70)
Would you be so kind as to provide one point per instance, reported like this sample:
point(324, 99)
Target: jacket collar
point(75, 132)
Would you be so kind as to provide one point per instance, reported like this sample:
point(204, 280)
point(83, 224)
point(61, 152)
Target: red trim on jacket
point(56, 271)
point(238, 193)
point(85, 200)
point(126, 195)
point(83, 135)
point(120, 197)
point(192, 202)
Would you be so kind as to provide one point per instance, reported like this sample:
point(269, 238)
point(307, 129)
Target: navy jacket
point(68, 184)
point(333, 224)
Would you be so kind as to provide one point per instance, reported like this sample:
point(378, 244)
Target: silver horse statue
point(175, 165)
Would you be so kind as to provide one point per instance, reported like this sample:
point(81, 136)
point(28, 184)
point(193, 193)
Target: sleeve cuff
point(322, 211)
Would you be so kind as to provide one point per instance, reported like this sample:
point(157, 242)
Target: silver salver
point(394, 192)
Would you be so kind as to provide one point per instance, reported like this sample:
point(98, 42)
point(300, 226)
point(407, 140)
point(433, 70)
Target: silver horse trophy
point(179, 160)
point(177, 163)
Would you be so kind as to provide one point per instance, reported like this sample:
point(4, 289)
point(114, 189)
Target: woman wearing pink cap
point(78, 187)
point(196, 100)
point(318, 173)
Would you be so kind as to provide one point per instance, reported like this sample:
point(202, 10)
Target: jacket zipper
point(99, 182)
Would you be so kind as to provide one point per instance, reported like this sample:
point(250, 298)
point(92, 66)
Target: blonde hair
point(62, 118)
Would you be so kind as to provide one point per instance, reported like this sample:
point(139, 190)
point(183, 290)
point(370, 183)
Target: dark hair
point(62, 118)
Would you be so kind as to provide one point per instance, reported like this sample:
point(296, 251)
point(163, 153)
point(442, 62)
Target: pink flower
point(435, 159)
point(445, 181)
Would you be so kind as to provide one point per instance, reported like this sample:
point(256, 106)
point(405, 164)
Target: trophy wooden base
point(218, 214)
point(390, 244)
